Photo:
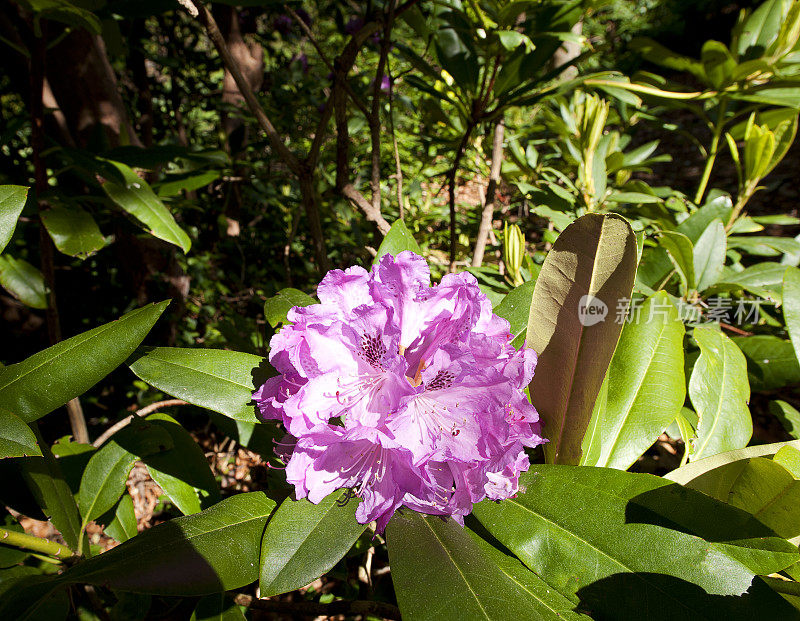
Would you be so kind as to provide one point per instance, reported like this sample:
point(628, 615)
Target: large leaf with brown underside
point(573, 325)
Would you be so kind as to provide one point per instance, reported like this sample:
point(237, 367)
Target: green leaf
point(12, 200)
point(791, 306)
point(768, 491)
point(709, 255)
point(139, 200)
point(771, 362)
point(278, 306)
point(71, 367)
point(764, 246)
point(74, 231)
point(440, 573)
point(67, 13)
point(760, 29)
point(548, 602)
point(516, 308)
point(302, 541)
point(657, 53)
point(52, 493)
point(719, 391)
point(216, 379)
point(397, 240)
point(598, 536)
point(23, 281)
point(787, 415)
point(201, 554)
point(217, 607)
point(175, 184)
point(123, 526)
point(646, 386)
point(182, 471)
point(103, 480)
point(718, 64)
point(762, 279)
point(705, 475)
point(681, 253)
point(16, 438)
point(591, 267)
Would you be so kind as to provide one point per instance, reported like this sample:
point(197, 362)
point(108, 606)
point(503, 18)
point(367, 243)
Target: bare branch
point(148, 409)
point(487, 214)
point(373, 215)
point(207, 19)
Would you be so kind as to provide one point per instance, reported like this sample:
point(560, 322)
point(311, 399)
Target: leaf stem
point(36, 544)
point(712, 153)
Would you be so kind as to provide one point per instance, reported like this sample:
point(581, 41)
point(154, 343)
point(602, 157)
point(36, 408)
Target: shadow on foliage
point(641, 596)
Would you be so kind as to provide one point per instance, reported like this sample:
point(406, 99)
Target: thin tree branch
point(398, 175)
point(316, 609)
point(451, 185)
point(205, 17)
point(373, 215)
point(374, 118)
point(300, 169)
point(148, 409)
point(487, 213)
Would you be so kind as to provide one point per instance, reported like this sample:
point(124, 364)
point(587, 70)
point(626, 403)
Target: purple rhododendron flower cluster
point(405, 393)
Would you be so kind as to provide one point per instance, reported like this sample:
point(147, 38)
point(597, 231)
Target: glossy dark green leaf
point(791, 306)
point(137, 198)
point(66, 12)
point(646, 387)
point(397, 240)
point(12, 200)
point(123, 525)
point(74, 231)
point(612, 540)
point(209, 552)
point(182, 471)
point(584, 277)
point(278, 306)
point(71, 367)
point(23, 281)
point(216, 379)
point(103, 481)
point(440, 573)
point(720, 391)
point(50, 489)
point(217, 607)
point(771, 361)
point(548, 602)
point(303, 540)
point(16, 438)
point(35, 598)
